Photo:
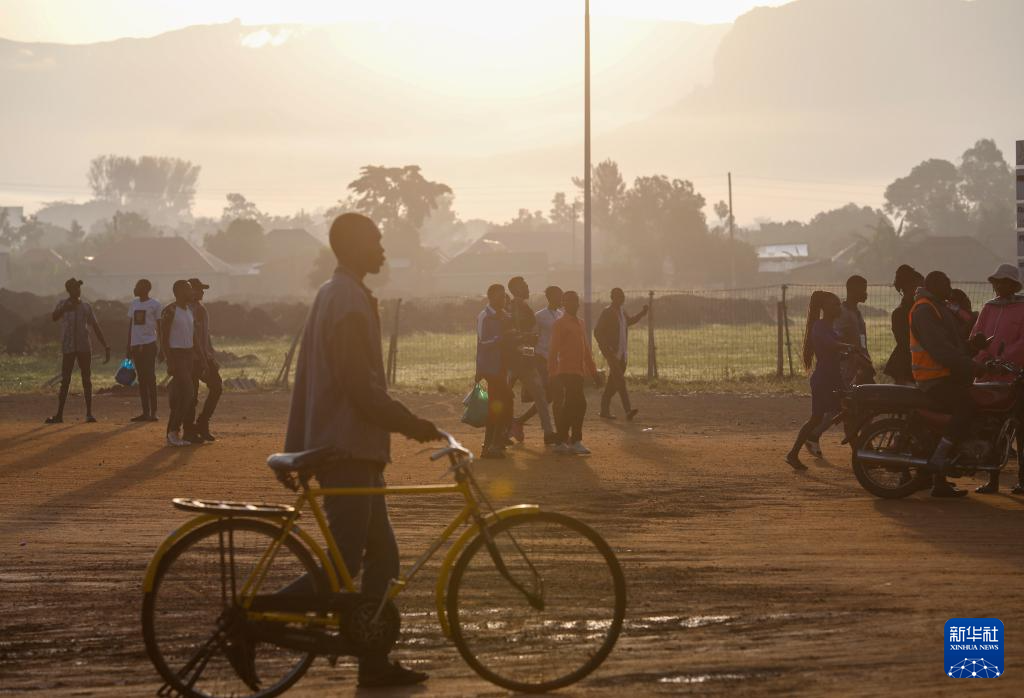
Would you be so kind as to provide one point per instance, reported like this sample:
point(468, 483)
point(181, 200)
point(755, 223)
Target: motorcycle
point(894, 429)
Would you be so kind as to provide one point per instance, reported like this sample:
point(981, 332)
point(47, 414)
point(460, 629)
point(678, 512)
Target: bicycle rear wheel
point(194, 631)
point(570, 569)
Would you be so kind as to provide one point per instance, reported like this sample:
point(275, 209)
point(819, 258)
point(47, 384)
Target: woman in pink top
point(1002, 321)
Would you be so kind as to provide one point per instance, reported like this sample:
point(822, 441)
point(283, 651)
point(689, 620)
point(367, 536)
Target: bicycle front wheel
point(536, 602)
point(196, 633)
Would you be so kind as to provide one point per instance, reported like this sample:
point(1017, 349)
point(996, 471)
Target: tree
point(986, 185)
point(242, 241)
point(161, 185)
point(929, 199)
point(398, 199)
point(722, 211)
point(128, 224)
point(661, 219)
point(607, 189)
point(240, 207)
point(563, 214)
point(24, 236)
point(882, 247)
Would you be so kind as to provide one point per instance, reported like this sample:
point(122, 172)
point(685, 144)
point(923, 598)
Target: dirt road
point(744, 577)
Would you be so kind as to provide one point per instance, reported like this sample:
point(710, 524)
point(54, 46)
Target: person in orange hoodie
point(569, 363)
point(1002, 321)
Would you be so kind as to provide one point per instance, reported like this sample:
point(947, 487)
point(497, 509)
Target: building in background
point(111, 272)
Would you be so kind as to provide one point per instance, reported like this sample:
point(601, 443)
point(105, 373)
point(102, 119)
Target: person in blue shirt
point(822, 348)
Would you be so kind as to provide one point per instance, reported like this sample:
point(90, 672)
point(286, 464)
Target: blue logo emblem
point(974, 648)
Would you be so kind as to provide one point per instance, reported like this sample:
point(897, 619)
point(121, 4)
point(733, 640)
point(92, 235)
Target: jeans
point(214, 385)
point(360, 526)
point(616, 384)
point(573, 407)
point(179, 364)
point(529, 375)
point(67, 367)
point(144, 358)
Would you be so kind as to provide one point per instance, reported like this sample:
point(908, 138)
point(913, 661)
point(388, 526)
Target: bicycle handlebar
point(454, 448)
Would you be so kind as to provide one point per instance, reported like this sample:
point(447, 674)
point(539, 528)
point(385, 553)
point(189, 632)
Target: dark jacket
point(898, 367)
point(939, 334)
point(340, 398)
point(490, 340)
point(606, 332)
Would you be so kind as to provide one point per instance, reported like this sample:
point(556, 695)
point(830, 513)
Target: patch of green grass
point(30, 374)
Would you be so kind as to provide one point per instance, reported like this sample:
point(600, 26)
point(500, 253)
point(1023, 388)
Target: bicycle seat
point(301, 460)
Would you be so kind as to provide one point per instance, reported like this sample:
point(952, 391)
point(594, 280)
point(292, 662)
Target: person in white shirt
point(546, 318)
point(178, 339)
point(143, 348)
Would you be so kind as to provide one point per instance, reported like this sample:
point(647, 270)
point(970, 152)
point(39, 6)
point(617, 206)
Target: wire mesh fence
point(688, 335)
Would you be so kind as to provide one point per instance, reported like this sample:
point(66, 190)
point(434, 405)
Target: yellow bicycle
point(533, 600)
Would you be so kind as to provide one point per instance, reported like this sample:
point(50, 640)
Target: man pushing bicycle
point(340, 401)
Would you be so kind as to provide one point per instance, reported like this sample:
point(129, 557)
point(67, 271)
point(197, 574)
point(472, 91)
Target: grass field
point(260, 360)
point(725, 357)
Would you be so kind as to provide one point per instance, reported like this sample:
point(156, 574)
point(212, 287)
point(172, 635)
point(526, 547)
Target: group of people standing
point(178, 333)
point(942, 346)
point(548, 353)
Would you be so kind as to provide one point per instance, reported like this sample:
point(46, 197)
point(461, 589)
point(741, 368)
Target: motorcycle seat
point(900, 397)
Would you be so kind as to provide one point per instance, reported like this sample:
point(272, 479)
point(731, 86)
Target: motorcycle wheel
point(888, 436)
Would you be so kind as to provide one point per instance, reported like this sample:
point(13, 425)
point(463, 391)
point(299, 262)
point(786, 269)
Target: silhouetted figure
point(857, 367)
point(77, 318)
point(822, 348)
point(144, 346)
point(612, 335)
point(943, 369)
point(178, 339)
point(570, 363)
point(525, 367)
point(493, 348)
point(340, 400)
point(206, 368)
point(546, 318)
point(907, 280)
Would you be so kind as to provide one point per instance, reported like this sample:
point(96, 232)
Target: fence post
point(785, 315)
point(779, 315)
point(392, 368)
point(287, 367)
point(652, 351)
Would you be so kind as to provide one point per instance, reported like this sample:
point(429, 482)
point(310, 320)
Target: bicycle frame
point(331, 561)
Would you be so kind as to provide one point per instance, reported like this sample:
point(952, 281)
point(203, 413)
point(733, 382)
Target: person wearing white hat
point(1002, 322)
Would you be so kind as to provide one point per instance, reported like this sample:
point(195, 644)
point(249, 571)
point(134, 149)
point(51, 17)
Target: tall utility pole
point(587, 289)
point(732, 246)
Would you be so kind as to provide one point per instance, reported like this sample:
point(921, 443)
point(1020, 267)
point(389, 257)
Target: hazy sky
point(81, 21)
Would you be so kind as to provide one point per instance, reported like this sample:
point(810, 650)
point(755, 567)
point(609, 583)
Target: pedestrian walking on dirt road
point(340, 401)
point(525, 368)
point(612, 335)
point(77, 317)
point(823, 349)
point(144, 346)
point(493, 339)
point(206, 368)
point(570, 363)
point(178, 339)
point(546, 318)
